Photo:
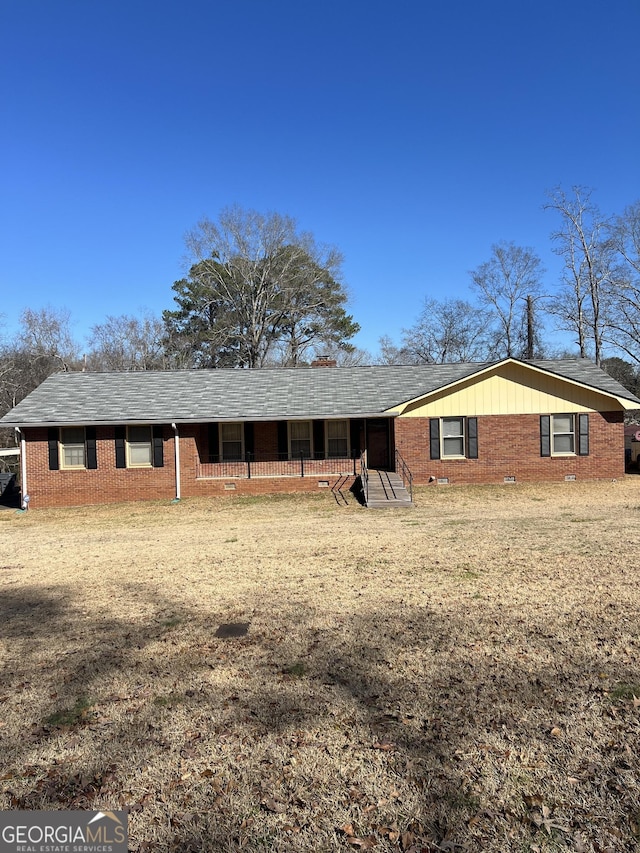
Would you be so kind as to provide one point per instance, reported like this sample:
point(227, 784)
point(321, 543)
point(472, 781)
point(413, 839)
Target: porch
point(292, 448)
point(327, 451)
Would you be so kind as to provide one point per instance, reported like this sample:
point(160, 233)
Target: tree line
point(260, 292)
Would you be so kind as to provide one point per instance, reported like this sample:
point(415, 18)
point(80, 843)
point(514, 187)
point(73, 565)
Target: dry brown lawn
point(463, 676)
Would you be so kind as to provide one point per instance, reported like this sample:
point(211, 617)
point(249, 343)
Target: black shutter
point(283, 440)
point(54, 461)
point(354, 437)
point(249, 439)
point(90, 443)
point(583, 435)
point(158, 446)
point(214, 443)
point(121, 456)
point(434, 438)
point(318, 439)
point(545, 435)
point(472, 438)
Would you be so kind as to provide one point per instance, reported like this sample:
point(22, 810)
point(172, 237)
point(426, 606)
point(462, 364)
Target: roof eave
point(196, 420)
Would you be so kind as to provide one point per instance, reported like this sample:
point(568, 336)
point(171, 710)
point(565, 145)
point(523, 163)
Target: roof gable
point(510, 387)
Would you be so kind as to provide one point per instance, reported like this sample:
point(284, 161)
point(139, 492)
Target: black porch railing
point(276, 465)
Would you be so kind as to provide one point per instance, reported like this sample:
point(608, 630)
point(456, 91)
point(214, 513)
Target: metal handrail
point(364, 476)
point(407, 477)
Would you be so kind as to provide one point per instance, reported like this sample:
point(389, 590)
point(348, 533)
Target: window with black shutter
point(249, 440)
point(283, 440)
point(564, 435)
point(91, 447)
point(583, 435)
point(52, 441)
point(157, 459)
point(453, 438)
point(120, 446)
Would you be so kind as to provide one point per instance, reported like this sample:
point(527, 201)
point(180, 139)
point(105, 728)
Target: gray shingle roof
point(267, 394)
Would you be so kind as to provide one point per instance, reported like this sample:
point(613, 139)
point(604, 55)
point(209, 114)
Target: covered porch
point(293, 448)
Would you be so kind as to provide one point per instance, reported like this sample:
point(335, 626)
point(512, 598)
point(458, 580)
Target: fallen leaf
point(272, 805)
point(406, 840)
point(362, 843)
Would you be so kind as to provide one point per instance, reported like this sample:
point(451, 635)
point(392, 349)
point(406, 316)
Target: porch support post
point(176, 444)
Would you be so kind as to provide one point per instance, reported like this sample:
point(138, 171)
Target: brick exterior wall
point(509, 446)
point(108, 484)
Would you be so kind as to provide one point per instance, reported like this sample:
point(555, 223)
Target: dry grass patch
point(461, 676)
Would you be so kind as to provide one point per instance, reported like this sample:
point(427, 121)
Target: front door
point(377, 443)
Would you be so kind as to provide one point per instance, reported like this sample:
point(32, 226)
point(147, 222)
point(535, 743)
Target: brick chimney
point(324, 361)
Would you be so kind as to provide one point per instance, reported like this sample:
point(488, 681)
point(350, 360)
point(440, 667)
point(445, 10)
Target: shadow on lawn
point(439, 703)
point(29, 612)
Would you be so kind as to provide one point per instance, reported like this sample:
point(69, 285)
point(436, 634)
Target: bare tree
point(46, 336)
point(582, 242)
point(390, 353)
point(505, 285)
point(258, 286)
point(452, 330)
point(624, 325)
point(44, 345)
point(127, 343)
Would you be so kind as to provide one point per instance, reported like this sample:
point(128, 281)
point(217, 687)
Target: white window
point(337, 439)
point(139, 447)
point(452, 437)
point(231, 442)
point(300, 439)
point(72, 447)
point(563, 435)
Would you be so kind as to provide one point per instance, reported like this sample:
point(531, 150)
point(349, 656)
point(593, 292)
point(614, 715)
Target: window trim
point(572, 433)
point(221, 441)
point(347, 436)
point(461, 435)
point(61, 449)
point(128, 444)
point(289, 439)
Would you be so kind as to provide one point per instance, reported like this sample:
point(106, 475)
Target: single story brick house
point(89, 438)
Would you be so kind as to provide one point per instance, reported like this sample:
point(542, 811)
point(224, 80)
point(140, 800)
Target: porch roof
point(185, 396)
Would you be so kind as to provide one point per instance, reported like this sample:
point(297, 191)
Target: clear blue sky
point(412, 135)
